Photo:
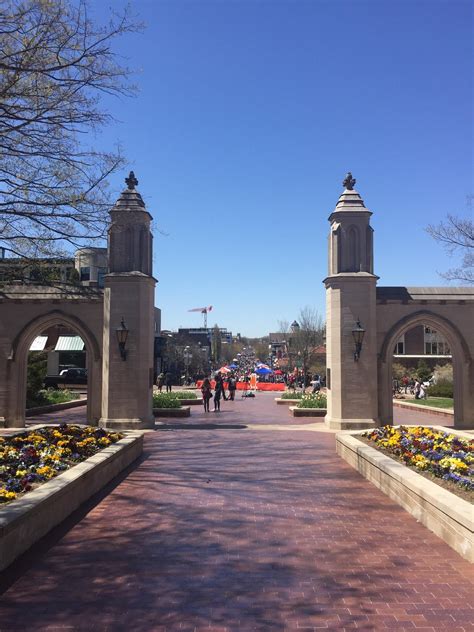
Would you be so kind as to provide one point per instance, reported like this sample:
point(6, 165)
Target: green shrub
point(291, 395)
point(58, 396)
point(185, 394)
point(313, 400)
point(423, 371)
point(165, 400)
point(441, 389)
point(37, 367)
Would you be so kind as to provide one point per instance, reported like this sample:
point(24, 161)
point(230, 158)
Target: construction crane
point(203, 310)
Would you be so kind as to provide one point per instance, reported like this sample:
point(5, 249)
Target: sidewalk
point(248, 528)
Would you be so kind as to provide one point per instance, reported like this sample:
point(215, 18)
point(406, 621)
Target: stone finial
point(131, 181)
point(349, 182)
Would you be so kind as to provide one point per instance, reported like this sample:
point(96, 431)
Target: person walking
point(206, 394)
point(168, 381)
point(160, 380)
point(417, 389)
point(231, 386)
point(218, 393)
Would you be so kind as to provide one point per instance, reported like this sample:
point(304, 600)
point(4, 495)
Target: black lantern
point(358, 334)
point(122, 335)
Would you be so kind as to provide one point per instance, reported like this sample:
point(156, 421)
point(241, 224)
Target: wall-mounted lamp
point(358, 334)
point(122, 335)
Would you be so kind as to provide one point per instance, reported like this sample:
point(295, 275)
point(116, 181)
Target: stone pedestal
point(352, 392)
point(128, 384)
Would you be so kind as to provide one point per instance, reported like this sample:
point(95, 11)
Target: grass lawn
point(436, 402)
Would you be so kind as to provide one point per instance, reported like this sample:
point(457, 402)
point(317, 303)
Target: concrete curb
point(307, 412)
point(445, 514)
point(291, 402)
point(51, 408)
point(27, 519)
point(441, 412)
point(184, 411)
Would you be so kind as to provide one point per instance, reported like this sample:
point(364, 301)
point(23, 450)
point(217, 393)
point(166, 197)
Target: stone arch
point(461, 359)
point(18, 360)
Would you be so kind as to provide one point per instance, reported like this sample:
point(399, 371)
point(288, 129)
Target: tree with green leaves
point(55, 65)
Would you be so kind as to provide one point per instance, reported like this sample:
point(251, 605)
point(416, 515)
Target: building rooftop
point(415, 294)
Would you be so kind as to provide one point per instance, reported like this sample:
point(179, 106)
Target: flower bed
point(313, 400)
point(445, 456)
point(446, 514)
point(27, 460)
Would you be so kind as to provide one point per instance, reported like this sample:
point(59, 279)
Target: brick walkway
point(257, 527)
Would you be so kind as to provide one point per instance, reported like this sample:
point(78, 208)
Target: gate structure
point(359, 383)
point(120, 383)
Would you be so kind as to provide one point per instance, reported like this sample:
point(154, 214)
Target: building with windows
point(422, 343)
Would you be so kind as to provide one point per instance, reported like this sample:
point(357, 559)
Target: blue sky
point(249, 115)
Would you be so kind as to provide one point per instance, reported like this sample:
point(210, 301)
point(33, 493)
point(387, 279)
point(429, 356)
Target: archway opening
point(441, 350)
point(50, 333)
point(56, 368)
point(422, 369)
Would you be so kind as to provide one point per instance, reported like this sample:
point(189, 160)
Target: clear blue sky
point(250, 114)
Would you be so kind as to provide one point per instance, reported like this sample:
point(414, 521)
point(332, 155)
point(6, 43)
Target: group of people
point(164, 379)
point(412, 385)
point(219, 391)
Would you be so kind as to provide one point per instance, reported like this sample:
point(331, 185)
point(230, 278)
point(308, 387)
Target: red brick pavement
point(227, 528)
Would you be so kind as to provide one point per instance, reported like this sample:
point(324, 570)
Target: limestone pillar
point(351, 298)
point(129, 296)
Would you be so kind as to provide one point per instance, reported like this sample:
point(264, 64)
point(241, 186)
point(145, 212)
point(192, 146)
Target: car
point(67, 376)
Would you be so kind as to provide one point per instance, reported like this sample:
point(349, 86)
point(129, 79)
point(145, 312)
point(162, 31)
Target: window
point(85, 274)
point(435, 343)
point(101, 272)
point(400, 346)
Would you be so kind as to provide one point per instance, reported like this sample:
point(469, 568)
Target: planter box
point(445, 514)
point(184, 411)
point(290, 402)
point(27, 519)
point(191, 402)
point(308, 412)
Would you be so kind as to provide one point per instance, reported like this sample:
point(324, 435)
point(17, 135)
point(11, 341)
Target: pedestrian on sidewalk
point(231, 385)
point(206, 394)
point(218, 393)
point(160, 380)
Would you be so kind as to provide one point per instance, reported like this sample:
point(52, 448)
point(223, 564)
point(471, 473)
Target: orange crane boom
point(203, 310)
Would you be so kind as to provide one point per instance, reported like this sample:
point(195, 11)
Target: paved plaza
point(243, 520)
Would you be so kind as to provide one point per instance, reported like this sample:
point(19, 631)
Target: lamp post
point(122, 335)
point(358, 335)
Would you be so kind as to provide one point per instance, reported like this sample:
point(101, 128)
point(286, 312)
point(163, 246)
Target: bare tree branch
point(55, 65)
point(457, 236)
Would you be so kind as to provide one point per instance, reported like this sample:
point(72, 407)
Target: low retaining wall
point(308, 412)
point(51, 408)
point(27, 519)
point(191, 402)
point(184, 411)
point(445, 514)
point(291, 402)
point(438, 412)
